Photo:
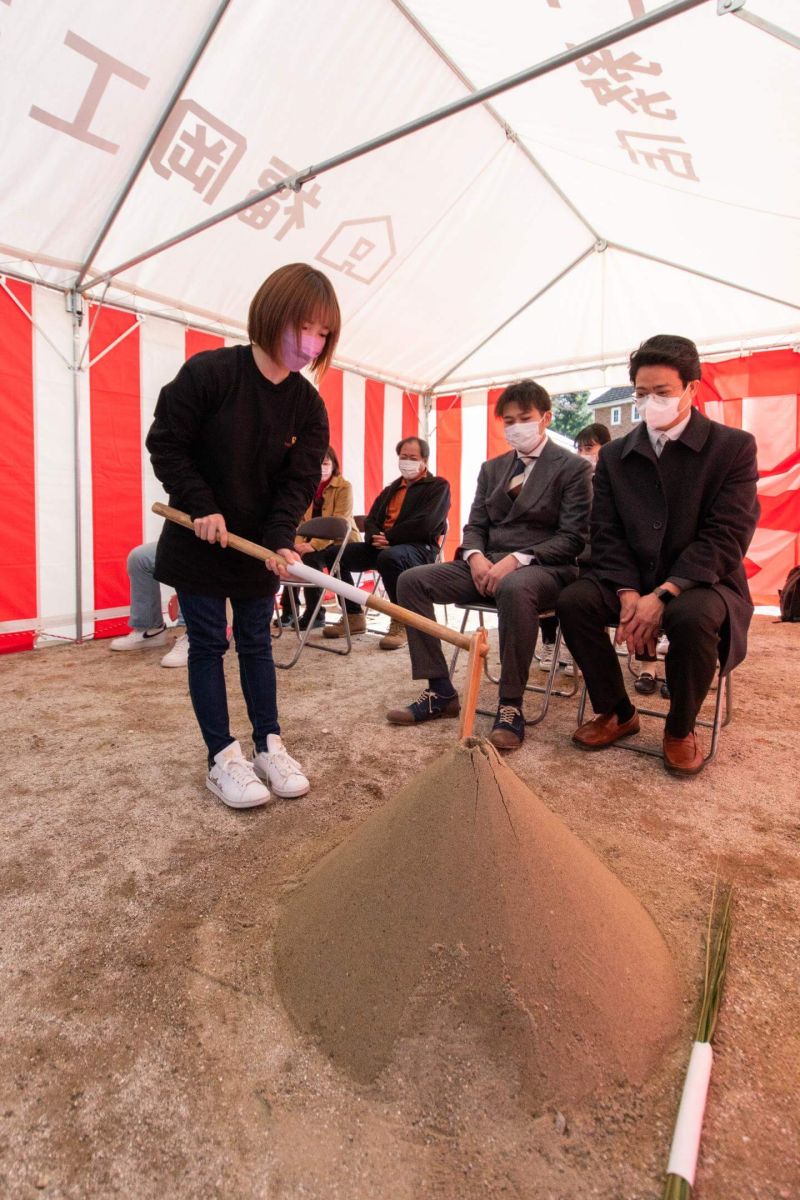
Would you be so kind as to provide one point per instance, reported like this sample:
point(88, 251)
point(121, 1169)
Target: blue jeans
point(146, 611)
point(206, 624)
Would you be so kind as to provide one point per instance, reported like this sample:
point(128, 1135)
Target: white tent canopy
point(650, 186)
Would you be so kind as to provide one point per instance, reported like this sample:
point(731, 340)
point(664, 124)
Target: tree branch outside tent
point(571, 413)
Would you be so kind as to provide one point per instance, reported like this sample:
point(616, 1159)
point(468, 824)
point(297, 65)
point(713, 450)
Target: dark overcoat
point(688, 515)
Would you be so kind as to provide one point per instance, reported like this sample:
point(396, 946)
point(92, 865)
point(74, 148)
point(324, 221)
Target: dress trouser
point(692, 622)
point(520, 597)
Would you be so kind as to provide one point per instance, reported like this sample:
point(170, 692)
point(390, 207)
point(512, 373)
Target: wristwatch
point(664, 595)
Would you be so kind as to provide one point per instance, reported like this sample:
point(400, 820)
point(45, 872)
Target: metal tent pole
point(295, 182)
point(75, 307)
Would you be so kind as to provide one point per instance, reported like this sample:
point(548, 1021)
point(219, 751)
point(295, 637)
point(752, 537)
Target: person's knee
point(574, 600)
point(410, 584)
point(142, 559)
point(688, 620)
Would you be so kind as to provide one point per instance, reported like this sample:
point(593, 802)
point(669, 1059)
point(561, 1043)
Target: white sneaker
point(278, 769)
point(663, 646)
point(141, 639)
point(546, 656)
point(178, 656)
point(233, 780)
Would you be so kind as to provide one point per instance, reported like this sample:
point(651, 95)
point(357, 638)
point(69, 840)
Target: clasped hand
point(639, 622)
point(487, 575)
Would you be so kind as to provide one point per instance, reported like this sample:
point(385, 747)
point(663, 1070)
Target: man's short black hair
point(667, 350)
point(593, 435)
point(527, 394)
point(424, 448)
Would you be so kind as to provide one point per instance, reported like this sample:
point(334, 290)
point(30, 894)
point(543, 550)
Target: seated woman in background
point(333, 498)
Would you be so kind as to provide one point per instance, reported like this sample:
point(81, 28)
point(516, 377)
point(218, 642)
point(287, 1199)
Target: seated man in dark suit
point(402, 530)
point(528, 523)
point(674, 510)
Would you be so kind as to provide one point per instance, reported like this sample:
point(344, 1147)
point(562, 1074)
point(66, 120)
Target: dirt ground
point(144, 1051)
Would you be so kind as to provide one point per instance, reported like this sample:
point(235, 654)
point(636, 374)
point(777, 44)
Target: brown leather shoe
point(682, 756)
point(356, 621)
point(604, 731)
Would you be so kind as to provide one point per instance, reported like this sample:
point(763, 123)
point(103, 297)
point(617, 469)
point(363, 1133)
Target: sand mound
point(466, 904)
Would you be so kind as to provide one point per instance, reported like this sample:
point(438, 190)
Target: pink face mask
point(296, 356)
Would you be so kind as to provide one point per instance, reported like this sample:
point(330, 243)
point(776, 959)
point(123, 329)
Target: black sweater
point(226, 440)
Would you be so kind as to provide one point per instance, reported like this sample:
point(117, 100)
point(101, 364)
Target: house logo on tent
point(360, 249)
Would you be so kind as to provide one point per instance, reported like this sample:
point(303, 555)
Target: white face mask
point(409, 467)
point(659, 412)
point(524, 436)
point(327, 470)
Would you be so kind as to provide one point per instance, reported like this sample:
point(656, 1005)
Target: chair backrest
point(361, 522)
point(336, 529)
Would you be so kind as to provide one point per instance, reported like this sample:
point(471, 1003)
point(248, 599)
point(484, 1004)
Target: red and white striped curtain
point(761, 393)
point(127, 361)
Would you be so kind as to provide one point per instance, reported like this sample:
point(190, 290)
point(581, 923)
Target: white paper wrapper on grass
point(318, 579)
point(689, 1125)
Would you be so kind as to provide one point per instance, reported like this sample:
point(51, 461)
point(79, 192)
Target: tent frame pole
point(75, 307)
point(133, 175)
point(295, 182)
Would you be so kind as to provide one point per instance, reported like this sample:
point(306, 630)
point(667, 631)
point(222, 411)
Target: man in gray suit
point(528, 523)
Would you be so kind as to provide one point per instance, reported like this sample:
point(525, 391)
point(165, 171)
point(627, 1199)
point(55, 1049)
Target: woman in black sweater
point(237, 440)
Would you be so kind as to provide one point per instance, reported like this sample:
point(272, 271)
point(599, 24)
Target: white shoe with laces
point(233, 780)
point(141, 639)
point(546, 655)
point(178, 656)
point(279, 770)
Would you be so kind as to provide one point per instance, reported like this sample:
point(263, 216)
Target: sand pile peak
point(465, 903)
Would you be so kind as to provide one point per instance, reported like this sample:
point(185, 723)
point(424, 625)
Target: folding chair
point(546, 692)
point(336, 529)
point(716, 725)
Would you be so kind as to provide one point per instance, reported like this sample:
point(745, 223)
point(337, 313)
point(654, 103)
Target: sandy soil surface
point(144, 1051)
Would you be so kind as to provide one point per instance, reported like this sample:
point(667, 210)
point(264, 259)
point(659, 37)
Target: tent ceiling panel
point(613, 301)
point(682, 164)
point(669, 143)
point(80, 90)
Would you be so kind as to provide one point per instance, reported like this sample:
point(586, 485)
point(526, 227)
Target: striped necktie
point(518, 477)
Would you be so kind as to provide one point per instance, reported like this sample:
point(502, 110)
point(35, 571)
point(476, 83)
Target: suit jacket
point(422, 515)
point(549, 518)
point(688, 515)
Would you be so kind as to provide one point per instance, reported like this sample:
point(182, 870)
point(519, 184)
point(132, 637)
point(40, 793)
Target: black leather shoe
point(646, 684)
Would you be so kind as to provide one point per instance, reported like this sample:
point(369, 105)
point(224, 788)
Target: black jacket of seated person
point(413, 537)
point(422, 516)
point(686, 517)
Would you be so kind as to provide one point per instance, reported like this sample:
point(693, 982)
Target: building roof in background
point(617, 395)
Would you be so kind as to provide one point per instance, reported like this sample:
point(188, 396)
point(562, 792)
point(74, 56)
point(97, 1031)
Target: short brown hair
point(526, 394)
point(288, 297)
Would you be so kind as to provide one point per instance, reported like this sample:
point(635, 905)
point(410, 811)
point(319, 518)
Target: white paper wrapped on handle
point(689, 1125)
point(300, 573)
